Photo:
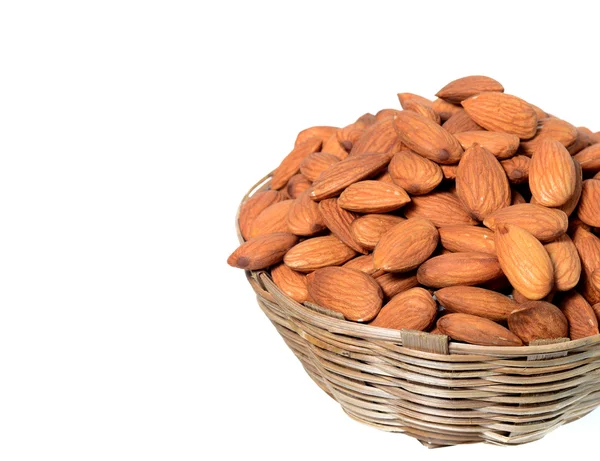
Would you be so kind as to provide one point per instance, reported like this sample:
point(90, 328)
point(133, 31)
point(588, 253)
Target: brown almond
point(458, 90)
point(449, 171)
point(546, 224)
point(304, 217)
point(552, 174)
point(319, 132)
point(424, 110)
point(566, 263)
point(596, 309)
point(589, 203)
point(441, 208)
point(589, 158)
point(364, 263)
point(517, 198)
point(292, 283)
point(464, 238)
point(272, 219)
point(584, 139)
point(368, 229)
point(338, 221)
point(290, 165)
point(465, 268)
point(352, 293)
point(333, 147)
point(551, 129)
point(582, 318)
point(353, 169)
point(406, 97)
point(569, 207)
point(476, 301)
point(461, 122)
point(524, 261)
point(481, 183)
point(500, 145)
point(517, 169)
point(502, 112)
point(595, 279)
point(386, 113)
point(349, 135)
point(536, 320)
point(316, 163)
point(406, 245)
point(588, 247)
point(414, 173)
point(393, 283)
point(414, 309)
point(297, 185)
point(373, 197)
point(444, 109)
point(366, 120)
point(252, 207)
point(318, 252)
point(476, 330)
point(263, 251)
point(521, 299)
point(378, 138)
point(427, 138)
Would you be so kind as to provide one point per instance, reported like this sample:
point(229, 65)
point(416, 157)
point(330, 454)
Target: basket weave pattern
point(438, 392)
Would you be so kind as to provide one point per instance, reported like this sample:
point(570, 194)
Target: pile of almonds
point(476, 216)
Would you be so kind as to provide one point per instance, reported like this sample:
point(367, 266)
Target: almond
point(318, 252)
point(297, 185)
point(449, 171)
point(481, 183)
point(368, 229)
point(290, 165)
point(502, 112)
point(517, 198)
point(476, 301)
point(292, 283)
point(373, 197)
point(589, 158)
point(582, 318)
point(338, 221)
point(379, 138)
point(551, 129)
point(570, 205)
point(406, 245)
point(263, 251)
point(524, 261)
point(252, 207)
point(304, 217)
point(584, 140)
point(384, 177)
point(441, 208)
point(463, 238)
point(352, 293)
point(414, 309)
point(333, 147)
point(272, 219)
point(465, 268)
point(538, 320)
point(415, 174)
point(458, 90)
point(386, 113)
point(353, 169)
point(319, 132)
point(589, 203)
point(393, 283)
point(349, 135)
point(500, 145)
point(427, 138)
point(596, 309)
point(566, 263)
point(406, 97)
point(444, 109)
point(552, 174)
point(517, 169)
point(461, 122)
point(364, 263)
point(520, 299)
point(545, 224)
point(365, 120)
point(316, 163)
point(476, 330)
point(588, 247)
point(422, 109)
point(595, 279)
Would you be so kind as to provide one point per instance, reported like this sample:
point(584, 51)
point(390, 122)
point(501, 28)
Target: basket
point(438, 392)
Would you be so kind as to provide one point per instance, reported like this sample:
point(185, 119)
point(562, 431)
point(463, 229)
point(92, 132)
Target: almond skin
point(589, 158)
point(414, 309)
point(368, 229)
point(316, 163)
point(551, 129)
point(406, 245)
point(468, 268)
point(520, 299)
point(517, 198)
point(595, 279)
point(378, 138)
point(318, 252)
point(353, 169)
point(589, 203)
point(297, 185)
point(582, 318)
point(596, 309)
point(461, 122)
point(500, 145)
point(588, 248)
point(467, 238)
point(517, 169)
point(263, 251)
point(414, 173)
point(304, 217)
point(458, 90)
point(545, 224)
point(552, 174)
point(569, 207)
point(290, 165)
point(476, 301)
point(404, 98)
point(318, 132)
point(502, 112)
point(338, 221)
point(481, 183)
point(566, 263)
point(393, 283)
point(449, 171)
point(254, 206)
point(292, 283)
point(444, 109)
point(427, 138)
point(272, 219)
point(538, 320)
point(422, 109)
point(364, 263)
point(524, 261)
point(352, 293)
point(373, 197)
point(441, 208)
point(334, 147)
point(476, 330)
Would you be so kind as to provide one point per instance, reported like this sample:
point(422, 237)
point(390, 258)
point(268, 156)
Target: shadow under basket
point(438, 392)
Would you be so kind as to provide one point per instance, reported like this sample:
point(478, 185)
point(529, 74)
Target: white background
point(129, 131)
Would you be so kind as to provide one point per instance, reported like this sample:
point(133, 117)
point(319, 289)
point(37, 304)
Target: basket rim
point(342, 326)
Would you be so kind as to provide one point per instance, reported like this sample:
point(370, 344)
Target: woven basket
point(438, 392)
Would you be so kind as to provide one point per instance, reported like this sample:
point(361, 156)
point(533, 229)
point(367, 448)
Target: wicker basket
point(438, 392)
